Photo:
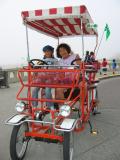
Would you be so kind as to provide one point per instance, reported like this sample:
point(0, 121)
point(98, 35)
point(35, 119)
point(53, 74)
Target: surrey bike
point(69, 115)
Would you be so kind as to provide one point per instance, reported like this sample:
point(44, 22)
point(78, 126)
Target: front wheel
point(68, 146)
point(18, 142)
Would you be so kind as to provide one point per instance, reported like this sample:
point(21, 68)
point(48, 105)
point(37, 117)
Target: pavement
point(103, 146)
point(108, 75)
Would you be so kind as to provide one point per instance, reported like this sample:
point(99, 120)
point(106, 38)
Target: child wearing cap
point(50, 60)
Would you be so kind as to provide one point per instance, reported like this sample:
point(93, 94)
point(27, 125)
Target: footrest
point(92, 87)
point(96, 112)
point(95, 81)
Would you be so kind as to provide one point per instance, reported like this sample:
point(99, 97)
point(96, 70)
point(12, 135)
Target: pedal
point(40, 115)
point(94, 132)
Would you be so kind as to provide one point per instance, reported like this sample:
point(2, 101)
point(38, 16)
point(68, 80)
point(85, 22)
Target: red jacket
point(104, 63)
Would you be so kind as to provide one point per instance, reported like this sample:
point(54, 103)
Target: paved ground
point(104, 146)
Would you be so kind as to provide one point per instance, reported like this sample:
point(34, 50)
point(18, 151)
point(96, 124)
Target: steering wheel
point(73, 62)
point(36, 63)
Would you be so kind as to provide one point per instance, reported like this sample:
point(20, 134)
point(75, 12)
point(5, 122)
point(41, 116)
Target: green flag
point(107, 31)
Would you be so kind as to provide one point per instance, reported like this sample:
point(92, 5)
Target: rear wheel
point(95, 105)
point(18, 142)
point(68, 146)
point(96, 94)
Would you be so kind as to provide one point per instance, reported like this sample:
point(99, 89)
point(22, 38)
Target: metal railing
point(13, 76)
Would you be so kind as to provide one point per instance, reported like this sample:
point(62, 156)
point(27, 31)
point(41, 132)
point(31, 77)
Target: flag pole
point(100, 43)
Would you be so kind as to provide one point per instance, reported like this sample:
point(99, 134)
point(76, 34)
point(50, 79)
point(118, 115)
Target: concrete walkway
point(104, 146)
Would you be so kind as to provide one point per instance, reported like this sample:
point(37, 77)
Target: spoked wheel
point(95, 108)
point(96, 94)
point(68, 146)
point(18, 142)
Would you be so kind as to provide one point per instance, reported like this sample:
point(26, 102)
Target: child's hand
point(78, 62)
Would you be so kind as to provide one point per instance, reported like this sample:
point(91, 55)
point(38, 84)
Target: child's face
point(48, 54)
point(63, 52)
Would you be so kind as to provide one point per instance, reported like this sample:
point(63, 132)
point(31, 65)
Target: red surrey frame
point(40, 130)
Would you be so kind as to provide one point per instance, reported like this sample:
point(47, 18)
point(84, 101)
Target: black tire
point(96, 97)
point(95, 108)
point(66, 146)
point(15, 141)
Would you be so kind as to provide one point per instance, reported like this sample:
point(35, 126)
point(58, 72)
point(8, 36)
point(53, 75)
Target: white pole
point(28, 55)
point(82, 38)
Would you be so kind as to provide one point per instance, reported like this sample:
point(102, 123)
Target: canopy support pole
point(82, 37)
point(28, 55)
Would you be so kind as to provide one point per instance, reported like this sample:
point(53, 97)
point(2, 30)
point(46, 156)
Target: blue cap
point(48, 48)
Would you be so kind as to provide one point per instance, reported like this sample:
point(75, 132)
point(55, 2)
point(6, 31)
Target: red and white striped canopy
point(60, 22)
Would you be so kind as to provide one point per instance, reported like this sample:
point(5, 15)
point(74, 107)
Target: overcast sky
point(13, 38)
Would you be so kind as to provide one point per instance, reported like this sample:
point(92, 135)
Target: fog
point(13, 49)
